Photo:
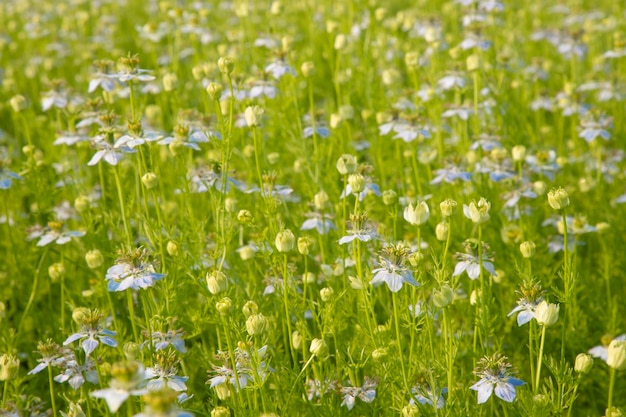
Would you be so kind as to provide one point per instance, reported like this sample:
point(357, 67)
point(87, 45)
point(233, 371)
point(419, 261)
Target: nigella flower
point(468, 262)
point(161, 340)
point(163, 373)
point(317, 389)
point(366, 393)
point(602, 351)
point(189, 137)
point(450, 175)
point(451, 81)
point(225, 374)
point(106, 151)
point(393, 271)
point(76, 374)
point(360, 230)
point(51, 355)
point(279, 68)
point(136, 136)
point(7, 177)
point(592, 129)
point(408, 132)
point(135, 269)
point(91, 330)
point(162, 403)
point(129, 70)
point(543, 163)
point(203, 179)
point(495, 375)
point(319, 222)
point(370, 188)
point(55, 234)
point(128, 378)
point(531, 294)
point(426, 396)
point(321, 131)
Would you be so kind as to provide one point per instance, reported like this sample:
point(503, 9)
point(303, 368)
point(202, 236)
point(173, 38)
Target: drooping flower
point(164, 373)
point(55, 233)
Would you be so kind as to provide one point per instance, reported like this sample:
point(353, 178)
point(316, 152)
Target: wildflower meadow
point(312, 208)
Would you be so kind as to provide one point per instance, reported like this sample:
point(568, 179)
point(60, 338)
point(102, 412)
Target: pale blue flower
point(366, 393)
point(495, 375)
point(469, 263)
point(92, 337)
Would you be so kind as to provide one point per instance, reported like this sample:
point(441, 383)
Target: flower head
point(133, 269)
point(418, 214)
point(393, 270)
point(91, 331)
point(477, 212)
point(495, 375)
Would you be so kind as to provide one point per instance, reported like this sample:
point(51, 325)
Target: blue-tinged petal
point(368, 396)
point(484, 388)
point(109, 341)
point(89, 345)
point(46, 239)
point(348, 401)
point(473, 270)
point(515, 382)
point(156, 384)
point(40, 367)
point(113, 397)
point(460, 268)
point(599, 352)
point(177, 384)
point(394, 282)
point(73, 338)
point(524, 317)
point(179, 345)
point(346, 239)
point(505, 391)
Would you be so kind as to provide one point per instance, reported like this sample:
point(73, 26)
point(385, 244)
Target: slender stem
point(287, 315)
point(609, 412)
point(120, 196)
point(5, 392)
point(531, 350)
point(540, 358)
point(396, 319)
point(52, 398)
point(131, 312)
point(33, 292)
point(449, 353)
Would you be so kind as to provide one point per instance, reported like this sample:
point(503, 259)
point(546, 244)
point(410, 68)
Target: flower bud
point(9, 365)
point(340, 42)
point(356, 182)
point(528, 249)
point(390, 197)
point(441, 231)
point(256, 324)
point(80, 314)
point(472, 62)
point(335, 120)
point(320, 200)
point(346, 164)
point(150, 180)
point(222, 391)
point(443, 297)
point(411, 59)
point(319, 348)
point(285, 241)
point(308, 69)
point(216, 282)
point(253, 115)
point(304, 245)
point(226, 65)
point(296, 340)
point(18, 103)
point(415, 258)
point(617, 355)
point(546, 314)
point(132, 351)
point(418, 214)
point(246, 252)
point(172, 248)
point(244, 216)
point(82, 203)
point(326, 294)
point(477, 212)
point(410, 410)
point(56, 271)
point(75, 411)
point(539, 187)
point(224, 305)
point(380, 354)
point(220, 411)
point(518, 153)
point(170, 82)
point(94, 259)
point(250, 308)
point(448, 207)
point(583, 363)
point(475, 297)
point(558, 198)
point(214, 90)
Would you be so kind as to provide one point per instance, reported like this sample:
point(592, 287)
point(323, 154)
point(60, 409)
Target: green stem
point(531, 351)
point(120, 196)
point(52, 398)
point(287, 315)
point(396, 319)
point(131, 312)
point(609, 412)
point(540, 358)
